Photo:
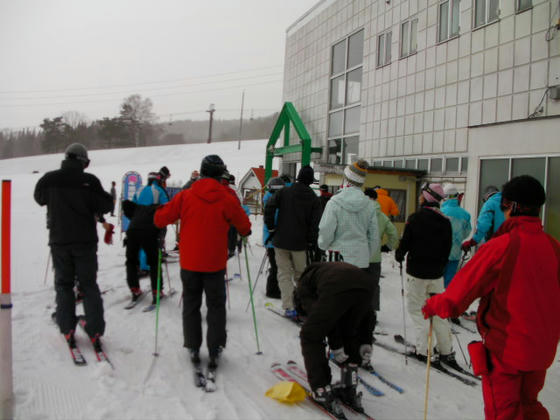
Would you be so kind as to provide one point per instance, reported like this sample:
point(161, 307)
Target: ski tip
point(259, 353)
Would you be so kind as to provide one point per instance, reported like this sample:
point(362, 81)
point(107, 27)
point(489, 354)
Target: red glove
point(109, 230)
point(429, 309)
point(467, 245)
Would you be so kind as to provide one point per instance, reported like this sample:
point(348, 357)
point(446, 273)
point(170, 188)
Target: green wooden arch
point(288, 115)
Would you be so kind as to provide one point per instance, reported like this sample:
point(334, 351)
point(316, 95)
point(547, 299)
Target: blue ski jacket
point(150, 194)
point(460, 226)
point(490, 218)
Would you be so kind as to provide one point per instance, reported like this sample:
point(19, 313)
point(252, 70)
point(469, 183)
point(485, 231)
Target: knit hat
point(305, 175)
point(212, 166)
point(324, 187)
point(356, 172)
point(450, 190)
point(164, 172)
point(433, 193)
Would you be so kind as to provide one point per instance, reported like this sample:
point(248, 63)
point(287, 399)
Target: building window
point(464, 164)
point(522, 5)
point(423, 164)
point(410, 164)
point(452, 165)
point(345, 98)
point(398, 164)
point(448, 19)
point(486, 11)
point(408, 37)
point(388, 163)
point(383, 49)
point(436, 165)
point(399, 197)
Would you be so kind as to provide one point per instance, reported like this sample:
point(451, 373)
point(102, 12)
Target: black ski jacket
point(299, 213)
point(141, 217)
point(426, 241)
point(73, 199)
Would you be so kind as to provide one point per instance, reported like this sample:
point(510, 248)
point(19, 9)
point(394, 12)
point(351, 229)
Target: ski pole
point(239, 261)
point(251, 296)
point(47, 269)
point(428, 364)
point(261, 269)
point(403, 314)
point(461, 348)
point(227, 289)
point(157, 301)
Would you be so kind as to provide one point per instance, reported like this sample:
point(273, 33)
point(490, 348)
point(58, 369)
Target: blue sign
point(132, 181)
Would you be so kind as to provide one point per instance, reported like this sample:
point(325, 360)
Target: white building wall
point(422, 105)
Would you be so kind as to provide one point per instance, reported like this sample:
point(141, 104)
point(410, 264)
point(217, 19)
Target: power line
point(140, 83)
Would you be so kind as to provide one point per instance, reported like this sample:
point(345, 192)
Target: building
point(467, 90)
point(251, 188)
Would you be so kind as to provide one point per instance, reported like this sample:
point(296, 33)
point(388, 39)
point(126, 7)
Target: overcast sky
point(86, 56)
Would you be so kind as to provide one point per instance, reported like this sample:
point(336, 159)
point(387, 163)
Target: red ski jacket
point(206, 211)
point(517, 276)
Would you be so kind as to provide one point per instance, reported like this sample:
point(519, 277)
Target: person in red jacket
point(517, 276)
point(206, 211)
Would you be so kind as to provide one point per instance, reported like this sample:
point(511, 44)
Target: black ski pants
point(149, 242)
point(344, 315)
point(272, 289)
point(77, 262)
point(374, 270)
point(213, 286)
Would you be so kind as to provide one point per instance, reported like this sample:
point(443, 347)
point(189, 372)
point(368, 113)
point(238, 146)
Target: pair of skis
point(206, 382)
point(292, 372)
point(132, 304)
point(77, 356)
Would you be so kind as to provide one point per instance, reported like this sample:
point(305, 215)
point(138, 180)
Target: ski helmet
point(212, 166)
point(450, 190)
point(524, 195)
point(164, 172)
point(489, 192)
point(77, 151)
point(276, 183)
point(153, 176)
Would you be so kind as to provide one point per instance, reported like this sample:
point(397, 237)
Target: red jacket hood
point(208, 190)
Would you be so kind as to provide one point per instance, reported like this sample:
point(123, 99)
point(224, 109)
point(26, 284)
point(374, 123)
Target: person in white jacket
point(349, 221)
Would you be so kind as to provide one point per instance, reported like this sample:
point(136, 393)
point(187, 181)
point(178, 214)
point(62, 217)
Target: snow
point(48, 385)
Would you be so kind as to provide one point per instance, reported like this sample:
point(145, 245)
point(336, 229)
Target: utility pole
point(210, 110)
point(241, 120)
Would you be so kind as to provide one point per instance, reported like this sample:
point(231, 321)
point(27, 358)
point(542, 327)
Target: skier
point(460, 227)
point(272, 289)
point(336, 299)
point(517, 277)
point(349, 223)
point(427, 241)
point(114, 195)
point(385, 227)
point(73, 199)
point(324, 196)
point(293, 232)
point(388, 205)
point(195, 176)
point(206, 211)
point(143, 234)
point(489, 220)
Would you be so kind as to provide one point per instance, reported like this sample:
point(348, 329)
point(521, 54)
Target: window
point(436, 165)
point(552, 212)
point(345, 98)
point(464, 164)
point(448, 19)
point(383, 49)
point(522, 5)
point(486, 11)
point(398, 164)
point(410, 164)
point(388, 163)
point(452, 165)
point(423, 164)
point(408, 37)
point(399, 197)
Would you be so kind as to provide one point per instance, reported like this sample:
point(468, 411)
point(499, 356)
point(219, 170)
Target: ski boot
point(348, 386)
point(325, 397)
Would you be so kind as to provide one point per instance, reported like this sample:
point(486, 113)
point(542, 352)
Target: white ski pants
point(417, 291)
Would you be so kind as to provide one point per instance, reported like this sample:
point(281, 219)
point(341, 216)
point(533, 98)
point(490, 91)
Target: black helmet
point(77, 151)
point(164, 172)
point(275, 183)
point(524, 195)
point(212, 166)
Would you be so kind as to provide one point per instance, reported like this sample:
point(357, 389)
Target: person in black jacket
point(295, 231)
point(336, 297)
point(74, 199)
point(426, 242)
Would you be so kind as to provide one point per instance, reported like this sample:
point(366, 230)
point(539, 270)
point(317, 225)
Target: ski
point(370, 388)
point(369, 368)
point(199, 378)
point(437, 366)
point(77, 356)
point(276, 310)
point(455, 366)
point(99, 352)
point(152, 306)
point(281, 373)
point(133, 302)
point(301, 377)
point(210, 385)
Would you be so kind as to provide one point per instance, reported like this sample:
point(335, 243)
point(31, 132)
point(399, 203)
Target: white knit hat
point(356, 173)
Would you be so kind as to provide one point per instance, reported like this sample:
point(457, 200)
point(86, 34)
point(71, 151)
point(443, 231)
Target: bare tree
point(74, 118)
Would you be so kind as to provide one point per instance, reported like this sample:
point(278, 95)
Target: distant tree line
point(135, 126)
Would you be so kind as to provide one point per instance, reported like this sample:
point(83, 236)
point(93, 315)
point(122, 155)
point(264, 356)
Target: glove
point(385, 248)
point(428, 309)
point(109, 230)
point(339, 355)
point(467, 245)
point(365, 353)
point(399, 256)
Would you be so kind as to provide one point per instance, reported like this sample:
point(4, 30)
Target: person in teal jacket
point(489, 220)
point(460, 227)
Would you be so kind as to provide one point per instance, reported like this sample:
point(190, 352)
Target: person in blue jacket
point(272, 289)
point(460, 227)
point(489, 220)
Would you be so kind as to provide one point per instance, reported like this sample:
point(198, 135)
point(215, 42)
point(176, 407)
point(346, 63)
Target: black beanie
point(212, 166)
point(525, 191)
point(305, 175)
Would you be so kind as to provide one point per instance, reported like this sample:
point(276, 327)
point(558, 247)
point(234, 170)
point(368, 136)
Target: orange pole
point(6, 234)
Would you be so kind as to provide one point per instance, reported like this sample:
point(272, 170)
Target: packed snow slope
point(49, 386)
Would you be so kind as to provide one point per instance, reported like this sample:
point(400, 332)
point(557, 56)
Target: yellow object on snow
point(287, 392)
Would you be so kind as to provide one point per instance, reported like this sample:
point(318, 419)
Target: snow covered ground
point(49, 386)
